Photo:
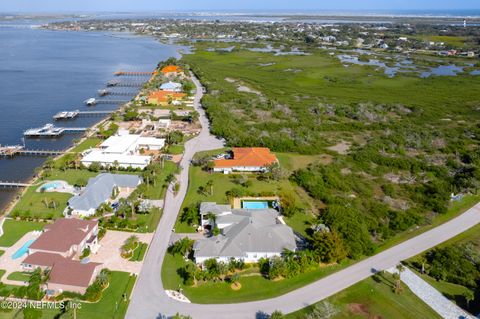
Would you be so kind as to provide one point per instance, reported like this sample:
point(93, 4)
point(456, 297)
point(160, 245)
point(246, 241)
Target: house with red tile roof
point(57, 250)
point(65, 274)
point(246, 159)
point(171, 70)
point(67, 237)
point(165, 98)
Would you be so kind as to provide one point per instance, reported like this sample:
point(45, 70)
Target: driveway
point(109, 252)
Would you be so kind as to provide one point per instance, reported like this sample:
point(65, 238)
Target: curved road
point(150, 301)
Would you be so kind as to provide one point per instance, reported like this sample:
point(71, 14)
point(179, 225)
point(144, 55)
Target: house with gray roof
point(99, 190)
point(246, 234)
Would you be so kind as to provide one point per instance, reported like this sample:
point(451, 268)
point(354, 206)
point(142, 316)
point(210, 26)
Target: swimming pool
point(52, 185)
point(254, 205)
point(22, 250)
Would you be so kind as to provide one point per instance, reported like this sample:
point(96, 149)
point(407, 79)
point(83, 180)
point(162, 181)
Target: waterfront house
point(99, 190)
point(245, 234)
point(165, 98)
point(65, 274)
point(123, 150)
point(246, 159)
point(171, 71)
point(171, 86)
point(67, 237)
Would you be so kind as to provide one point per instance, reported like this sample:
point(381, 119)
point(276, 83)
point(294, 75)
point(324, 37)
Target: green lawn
point(374, 299)
point(139, 252)
point(90, 142)
point(33, 203)
point(19, 276)
point(253, 287)
point(112, 304)
point(71, 176)
point(14, 230)
point(158, 191)
point(176, 149)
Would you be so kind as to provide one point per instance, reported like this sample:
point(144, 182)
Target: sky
point(232, 5)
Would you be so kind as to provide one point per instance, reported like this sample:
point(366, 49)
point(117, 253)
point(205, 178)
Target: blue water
point(43, 72)
point(254, 205)
point(51, 185)
point(22, 250)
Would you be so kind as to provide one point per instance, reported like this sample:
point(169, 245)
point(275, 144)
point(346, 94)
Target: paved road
point(150, 301)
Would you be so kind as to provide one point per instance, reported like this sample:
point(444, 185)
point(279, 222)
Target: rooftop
point(99, 189)
point(247, 231)
point(248, 156)
point(63, 234)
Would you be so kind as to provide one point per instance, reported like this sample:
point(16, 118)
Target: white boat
point(91, 101)
point(47, 130)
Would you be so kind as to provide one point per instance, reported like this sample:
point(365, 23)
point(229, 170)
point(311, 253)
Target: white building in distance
point(123, 150)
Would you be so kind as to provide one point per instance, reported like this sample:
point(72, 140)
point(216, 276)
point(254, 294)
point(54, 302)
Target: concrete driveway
point(109, 252)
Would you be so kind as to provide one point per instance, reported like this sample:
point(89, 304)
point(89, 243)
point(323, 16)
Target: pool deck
point(237, 202)
point(10, 265)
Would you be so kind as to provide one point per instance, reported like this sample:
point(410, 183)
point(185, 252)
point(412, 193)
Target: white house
point(245, 234)
point(246, 159)
point(98, 191)
point(123, 150)
point(171, 86)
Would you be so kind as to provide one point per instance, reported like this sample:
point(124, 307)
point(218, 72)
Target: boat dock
point(115, 83)
point(63, 115)
point(13, 185)
point(92, 101)
point(105, 92)
point(10, 152)
point(49, 130)
point(123, 73)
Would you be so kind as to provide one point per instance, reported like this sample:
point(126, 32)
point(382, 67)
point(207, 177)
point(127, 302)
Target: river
point(43, 72)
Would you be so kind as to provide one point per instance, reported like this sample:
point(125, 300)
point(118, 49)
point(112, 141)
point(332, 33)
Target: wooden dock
point(49, 130)
point(124, 84)
point(124, 73)
point(13, 185)
point(61, 115)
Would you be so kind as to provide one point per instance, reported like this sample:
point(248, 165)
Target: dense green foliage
point(398, 146)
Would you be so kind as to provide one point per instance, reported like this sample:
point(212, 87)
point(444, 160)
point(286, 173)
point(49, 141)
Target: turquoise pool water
point(23, 250)
point(254, 205)
point(51, 185)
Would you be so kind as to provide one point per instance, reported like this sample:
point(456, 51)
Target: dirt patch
point(230, 80)
point(359, 309)
point(246, 89)
point(341, 148)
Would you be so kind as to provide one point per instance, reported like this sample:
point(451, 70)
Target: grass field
point(448, 40)
point(374, 299)
point(90, 142)
point(253, 287)
point(112, 304)
point(158, 191)
point(139, 253)
point(14, 230)
point(19, 276)
point(34, 203)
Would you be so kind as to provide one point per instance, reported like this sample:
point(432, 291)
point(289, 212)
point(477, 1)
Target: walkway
point(432, 297)
point(149, 299)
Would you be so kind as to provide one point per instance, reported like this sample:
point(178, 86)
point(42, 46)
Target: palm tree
point(103, 278)
point(210, 186)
